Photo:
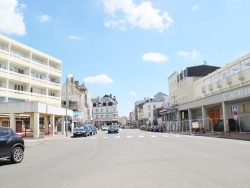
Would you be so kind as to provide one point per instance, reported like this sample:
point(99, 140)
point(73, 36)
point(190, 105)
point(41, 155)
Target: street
point(131, 158)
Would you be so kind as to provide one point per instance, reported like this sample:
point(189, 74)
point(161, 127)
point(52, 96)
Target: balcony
point(203, 89)
point(229, 80)
point(241, 75)
point(210, 87)
point(219, 84)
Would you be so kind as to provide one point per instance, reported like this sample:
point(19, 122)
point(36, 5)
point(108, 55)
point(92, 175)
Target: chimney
point(76, 84)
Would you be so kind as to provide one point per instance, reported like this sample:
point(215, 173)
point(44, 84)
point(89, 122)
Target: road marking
point(177, 136)
point(93, 137)
point(165, 136)
point(140, 136)
point(129, 136)
point(105, 137)
point(152, 136)
point(117, 137)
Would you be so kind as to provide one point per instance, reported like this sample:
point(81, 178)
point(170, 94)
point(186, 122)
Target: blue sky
point(129, 48)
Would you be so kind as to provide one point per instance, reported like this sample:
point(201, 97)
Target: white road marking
point(152, 136)
point(93, 137)
point(165, 136)
point(117, 137)
point(129, 136)
point(140, 136)
point(105, 137)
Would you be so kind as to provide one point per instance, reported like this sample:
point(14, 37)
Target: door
point(4, 136)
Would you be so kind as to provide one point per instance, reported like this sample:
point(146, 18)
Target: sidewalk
point(50, 137)
point(232, 135)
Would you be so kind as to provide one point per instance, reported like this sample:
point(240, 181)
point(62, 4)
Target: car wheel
point(17, 155)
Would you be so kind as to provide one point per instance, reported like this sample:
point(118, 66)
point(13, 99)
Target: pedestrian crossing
point(133, 136)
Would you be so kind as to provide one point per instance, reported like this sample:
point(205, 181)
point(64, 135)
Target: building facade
point(78, 99)
point(30, 89)
point(217, 94)
point(104, 110)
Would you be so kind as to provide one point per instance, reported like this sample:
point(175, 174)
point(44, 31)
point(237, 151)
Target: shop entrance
point(215, 115)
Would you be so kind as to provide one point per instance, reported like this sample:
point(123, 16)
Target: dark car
point(155, 128)
point(81, 131)
point(113, 129)
point(93, 129)
point(11, 145)
point(219, 126)
point(143, 127)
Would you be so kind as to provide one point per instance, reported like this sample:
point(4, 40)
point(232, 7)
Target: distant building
point(104, 110)
point(78, 100)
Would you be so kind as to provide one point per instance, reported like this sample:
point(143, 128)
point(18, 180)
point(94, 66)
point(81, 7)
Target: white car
point(104, 128)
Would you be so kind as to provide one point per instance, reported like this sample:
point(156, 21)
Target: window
point(107, 110)
point(18, 87)
point(214, 78)
point(104, 104)
point(245, 64)
point(223, 74)
point(4, 132)
point(234, 69)
point(206, 82)
point(94, 104)
point(101, 110)
point(96, 110)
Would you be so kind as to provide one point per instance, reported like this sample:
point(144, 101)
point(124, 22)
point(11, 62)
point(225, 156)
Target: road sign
point(235, 108)
point(235, 112)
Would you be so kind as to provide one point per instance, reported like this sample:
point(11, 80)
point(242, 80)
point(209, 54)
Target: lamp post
point(67, 102)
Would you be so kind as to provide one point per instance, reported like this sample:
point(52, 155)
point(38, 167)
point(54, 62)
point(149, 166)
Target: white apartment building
point(104, 110)
point(152, 103)
point(30, 89)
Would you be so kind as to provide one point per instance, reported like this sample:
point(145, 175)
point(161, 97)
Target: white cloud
point(22, 5)
point(11, 19)
point(102, 78)
point(124, 13)
point(154, 57)
point(74, 37)
point(44, 18)
point(194, 8)
point(189, 55)
point(132, 93)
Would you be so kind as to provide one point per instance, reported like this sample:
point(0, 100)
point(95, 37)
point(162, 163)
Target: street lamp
point(67, 102)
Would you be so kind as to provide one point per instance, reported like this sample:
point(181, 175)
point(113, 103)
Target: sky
point(129, 48)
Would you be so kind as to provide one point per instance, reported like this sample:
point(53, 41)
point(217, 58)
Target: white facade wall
point(148, 109)
point(231, 76)
point(27, 74)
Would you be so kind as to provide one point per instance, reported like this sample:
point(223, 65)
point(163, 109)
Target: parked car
point(11, 145)
point(155, 128)
point(143, 127)
point(104, 128)
point(219, 126)
point(93, 129)
point(113, 129)
point(81, 131)
point(123, 127)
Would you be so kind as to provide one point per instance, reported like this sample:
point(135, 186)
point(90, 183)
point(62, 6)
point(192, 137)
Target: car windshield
point(113, 126)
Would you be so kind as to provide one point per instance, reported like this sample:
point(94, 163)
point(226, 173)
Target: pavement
point(232, 135)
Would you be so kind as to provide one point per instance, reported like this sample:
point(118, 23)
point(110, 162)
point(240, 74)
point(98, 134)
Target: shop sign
point(239, 93)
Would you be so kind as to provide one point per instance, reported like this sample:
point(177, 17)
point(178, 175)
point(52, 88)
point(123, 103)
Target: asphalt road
point(131, 158)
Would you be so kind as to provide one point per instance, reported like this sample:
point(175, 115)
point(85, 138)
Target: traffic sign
point(235, 112)
point(235, 108)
